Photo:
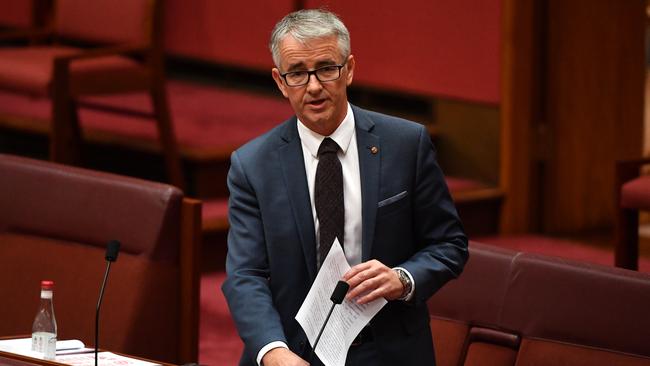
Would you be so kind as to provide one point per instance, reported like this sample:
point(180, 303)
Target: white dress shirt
point(345, 137)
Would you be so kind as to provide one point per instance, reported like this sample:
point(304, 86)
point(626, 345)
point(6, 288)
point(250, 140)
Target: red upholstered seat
point(636, 193)
point(462, 184)
point(520, 309)
point(30, 69)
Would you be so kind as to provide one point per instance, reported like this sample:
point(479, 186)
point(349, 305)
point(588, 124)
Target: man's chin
point(317, 122)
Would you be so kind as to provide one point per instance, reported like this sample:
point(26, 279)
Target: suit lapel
point(369, 148)
point(293, 170)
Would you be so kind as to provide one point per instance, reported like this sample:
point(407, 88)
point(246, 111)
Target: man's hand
point(282, 357)
point(373, 280)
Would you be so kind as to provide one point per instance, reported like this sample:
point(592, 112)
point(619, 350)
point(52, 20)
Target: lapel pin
point(374, 150)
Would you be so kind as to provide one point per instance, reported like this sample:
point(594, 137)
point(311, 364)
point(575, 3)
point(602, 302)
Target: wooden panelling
point(593, 107)
point(573, 85)
point(467, 137)
point(520, 67)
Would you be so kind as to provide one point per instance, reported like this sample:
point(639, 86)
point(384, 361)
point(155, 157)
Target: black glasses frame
point(313, 72)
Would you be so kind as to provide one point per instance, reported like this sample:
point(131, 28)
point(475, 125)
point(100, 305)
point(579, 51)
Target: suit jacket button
point(302, 344)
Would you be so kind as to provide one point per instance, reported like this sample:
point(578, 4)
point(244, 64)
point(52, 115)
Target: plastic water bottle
point(44, 328)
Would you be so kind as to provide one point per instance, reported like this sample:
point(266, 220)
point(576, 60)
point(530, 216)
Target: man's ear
point(278, 81)
point(350, 65)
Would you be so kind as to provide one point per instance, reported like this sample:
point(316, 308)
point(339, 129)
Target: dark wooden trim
point(519, 106)
point(626, 229)
point(190, 266)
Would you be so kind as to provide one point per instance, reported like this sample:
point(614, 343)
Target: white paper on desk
point(103, 359)
point(347, 320)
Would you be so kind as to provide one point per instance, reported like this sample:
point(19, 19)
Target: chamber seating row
point(514, 308)
point(55, 222)
point(208, 123)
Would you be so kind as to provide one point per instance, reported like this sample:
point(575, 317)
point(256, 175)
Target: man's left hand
point(372, 280)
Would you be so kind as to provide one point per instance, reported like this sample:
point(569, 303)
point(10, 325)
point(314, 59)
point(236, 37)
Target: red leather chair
point(127, 56)
point(632, 196)
point(55, 221)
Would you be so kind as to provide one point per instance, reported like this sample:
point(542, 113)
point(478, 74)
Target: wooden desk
point(13, 359)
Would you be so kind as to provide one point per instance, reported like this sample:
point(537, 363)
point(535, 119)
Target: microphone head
point(339, 292)
point(112, 249)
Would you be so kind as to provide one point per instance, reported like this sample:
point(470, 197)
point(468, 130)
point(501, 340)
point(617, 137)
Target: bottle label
point(44, 343)
point(46, 294)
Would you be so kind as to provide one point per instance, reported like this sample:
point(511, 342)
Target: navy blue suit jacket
point(408, 220)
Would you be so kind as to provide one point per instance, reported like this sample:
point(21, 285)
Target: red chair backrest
point(106, 21)
point(15, 13)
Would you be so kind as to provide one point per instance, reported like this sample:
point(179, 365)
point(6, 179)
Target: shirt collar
point(342, 135)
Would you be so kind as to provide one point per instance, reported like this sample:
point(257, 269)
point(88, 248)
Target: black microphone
point(112, 250)
point(337, 297)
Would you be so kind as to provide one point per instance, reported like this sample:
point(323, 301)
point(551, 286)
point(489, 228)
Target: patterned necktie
point(328, 192)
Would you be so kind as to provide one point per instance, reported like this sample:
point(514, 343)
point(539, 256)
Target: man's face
point(321, 106)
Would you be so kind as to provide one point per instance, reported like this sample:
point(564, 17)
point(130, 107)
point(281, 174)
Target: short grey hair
point(306, 25)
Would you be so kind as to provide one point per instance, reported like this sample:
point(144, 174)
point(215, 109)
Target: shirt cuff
point(268, 347)
point(408, 296)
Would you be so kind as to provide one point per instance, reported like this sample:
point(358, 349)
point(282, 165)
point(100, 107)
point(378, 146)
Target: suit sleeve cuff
point(268, 347)
point(408, 296)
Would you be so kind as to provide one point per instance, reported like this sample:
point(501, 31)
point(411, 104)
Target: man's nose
point(313, 84)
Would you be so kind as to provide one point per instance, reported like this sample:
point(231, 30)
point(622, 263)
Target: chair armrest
point(625, 171)
point(63, 61)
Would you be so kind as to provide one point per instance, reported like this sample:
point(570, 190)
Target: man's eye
point(297, 74)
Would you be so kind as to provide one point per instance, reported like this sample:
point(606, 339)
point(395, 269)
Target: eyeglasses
point(323, 74)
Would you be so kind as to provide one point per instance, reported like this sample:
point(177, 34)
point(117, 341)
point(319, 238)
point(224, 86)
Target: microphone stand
point(99, 304)
point(337, 297)
point(112, 249)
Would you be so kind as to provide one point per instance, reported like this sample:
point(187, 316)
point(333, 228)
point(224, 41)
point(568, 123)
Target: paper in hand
point(347, 320)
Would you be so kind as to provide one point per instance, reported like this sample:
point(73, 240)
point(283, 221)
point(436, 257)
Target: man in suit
point(391, 211)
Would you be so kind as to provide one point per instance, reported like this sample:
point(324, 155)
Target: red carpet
point(219, 343)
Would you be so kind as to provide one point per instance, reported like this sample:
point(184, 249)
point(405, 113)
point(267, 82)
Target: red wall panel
point(441, 48)
point(446, 48)
point(228, 32)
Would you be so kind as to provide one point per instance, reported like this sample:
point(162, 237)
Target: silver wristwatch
point(406, 283)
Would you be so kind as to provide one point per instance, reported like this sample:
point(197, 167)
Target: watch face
point(406, 282)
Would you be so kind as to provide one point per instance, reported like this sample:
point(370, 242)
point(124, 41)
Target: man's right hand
point(282, 357)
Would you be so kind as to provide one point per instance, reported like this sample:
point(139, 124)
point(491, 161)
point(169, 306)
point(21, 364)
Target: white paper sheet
point(103, 359)
point(347, 320)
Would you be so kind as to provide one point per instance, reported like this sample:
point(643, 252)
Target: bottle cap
point(47, 284)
